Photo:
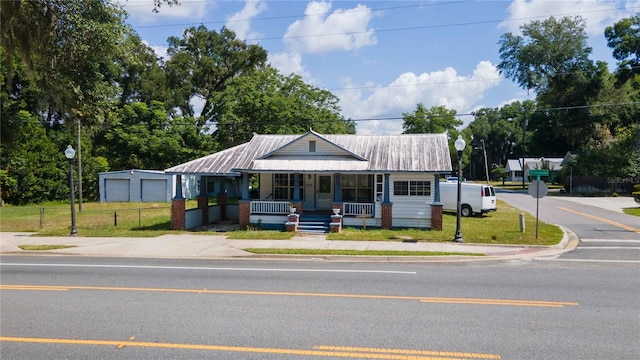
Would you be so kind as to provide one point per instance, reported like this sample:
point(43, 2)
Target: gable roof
point(344, 153)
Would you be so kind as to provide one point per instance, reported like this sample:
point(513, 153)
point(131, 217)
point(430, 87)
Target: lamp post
point(69, 153)
point(459, 144)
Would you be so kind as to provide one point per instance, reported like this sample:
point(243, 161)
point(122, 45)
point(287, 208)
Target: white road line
point(610, 241)
point(591, 260)
point(210, 268)
point(607, 247)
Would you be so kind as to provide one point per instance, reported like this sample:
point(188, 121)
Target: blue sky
point(381, 58)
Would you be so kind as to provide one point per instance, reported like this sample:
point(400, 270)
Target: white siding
point(411, 211)
point(266, 186)
point(301, 147)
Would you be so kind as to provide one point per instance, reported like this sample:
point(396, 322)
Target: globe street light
point(69, 153)
point(459, 144)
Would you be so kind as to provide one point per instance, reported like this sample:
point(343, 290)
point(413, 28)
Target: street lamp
point(69, 153)
point(459, 144)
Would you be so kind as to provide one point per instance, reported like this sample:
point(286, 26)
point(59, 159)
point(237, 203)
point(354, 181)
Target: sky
point(382, 58)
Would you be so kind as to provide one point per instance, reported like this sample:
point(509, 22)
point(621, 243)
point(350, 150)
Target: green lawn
point(499, 227)
point(153, 219)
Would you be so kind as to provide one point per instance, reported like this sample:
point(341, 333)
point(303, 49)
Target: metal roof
point(379, 153)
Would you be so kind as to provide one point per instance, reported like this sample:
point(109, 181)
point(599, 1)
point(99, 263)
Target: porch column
point(296, 188)
point(178, 207)
point(436, 206)
point(244, 205)
point(386, 206)
point(203, 200)
point(222, 201)
point(245, 186)
point(337, 194)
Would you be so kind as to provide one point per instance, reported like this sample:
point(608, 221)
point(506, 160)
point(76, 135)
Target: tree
point(35, 170)
point(552, 59)
point(546, 49)
point(436, 119)
point(268, 102)
point(624, 38)
point(203, 62)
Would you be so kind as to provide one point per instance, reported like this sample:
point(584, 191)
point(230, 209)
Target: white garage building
point(142, 186)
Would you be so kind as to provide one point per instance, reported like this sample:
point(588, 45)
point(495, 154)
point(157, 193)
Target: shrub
point(636, 196)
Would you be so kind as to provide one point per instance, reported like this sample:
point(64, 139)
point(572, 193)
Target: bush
point(636, 196)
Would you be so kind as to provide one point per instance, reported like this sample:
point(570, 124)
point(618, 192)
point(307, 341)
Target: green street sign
point(539, 172)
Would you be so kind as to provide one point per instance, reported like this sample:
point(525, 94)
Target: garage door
point(153, 190)
point(116, 190)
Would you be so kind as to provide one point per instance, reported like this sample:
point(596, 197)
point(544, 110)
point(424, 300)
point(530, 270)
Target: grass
point(260, 235)
point(96, 219)
point(357, 252)
point(500, 227)
point(632, 211)
point(44, 247)
point(153, 219)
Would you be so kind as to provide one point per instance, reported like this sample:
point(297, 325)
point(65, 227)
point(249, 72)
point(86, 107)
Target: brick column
point(244, 210)
point(387, 215)
point(178, 214)
point(292, 222)
point(436, 216)
point(203, 204)
point(336, 223)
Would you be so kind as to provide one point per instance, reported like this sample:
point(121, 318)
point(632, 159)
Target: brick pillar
point(222, 201)
point(387, 215)
point(178, 214)
point(298, 206)
point(244, 209)
point(336, 223)
point(292, 222)
point(203, 204)
point(436, 216)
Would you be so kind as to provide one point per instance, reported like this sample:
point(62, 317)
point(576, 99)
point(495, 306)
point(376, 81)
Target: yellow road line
point(280, 293)
point(334, 352)
point(610, 222)
point(410, 352)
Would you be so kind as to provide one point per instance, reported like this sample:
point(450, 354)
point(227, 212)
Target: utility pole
point(486, 166)
point(79, 169)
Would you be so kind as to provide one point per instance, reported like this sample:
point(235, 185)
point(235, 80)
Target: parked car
point(474, 198)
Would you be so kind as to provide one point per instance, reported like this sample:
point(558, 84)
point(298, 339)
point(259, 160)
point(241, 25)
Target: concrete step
point(313, 227)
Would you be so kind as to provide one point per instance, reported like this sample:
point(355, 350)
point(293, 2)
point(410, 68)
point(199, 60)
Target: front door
point(324, 197)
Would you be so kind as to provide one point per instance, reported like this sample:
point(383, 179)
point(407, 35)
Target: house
point(514, 167)
point(371, 181)
point(141, 186)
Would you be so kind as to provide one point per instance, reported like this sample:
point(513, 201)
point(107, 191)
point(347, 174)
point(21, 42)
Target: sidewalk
point(218, 247)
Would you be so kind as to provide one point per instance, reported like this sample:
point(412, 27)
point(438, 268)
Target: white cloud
point(142, 10)
point(597, 13)
point(445, 87)
point(161, 51)
point(288, 63)
point(240, 21)
point(320, 31)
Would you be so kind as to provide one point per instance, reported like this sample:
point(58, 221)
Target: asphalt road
point(117, 308)
point(605, 235)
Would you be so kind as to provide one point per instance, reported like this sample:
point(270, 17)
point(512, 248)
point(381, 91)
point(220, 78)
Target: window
point(357, 188)
point(283, 187)
point(379, 187)
point(312, 146)
point(412, 188)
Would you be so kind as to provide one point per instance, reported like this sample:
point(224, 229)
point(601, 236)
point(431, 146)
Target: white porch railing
point(358, 209)
point(269, 207)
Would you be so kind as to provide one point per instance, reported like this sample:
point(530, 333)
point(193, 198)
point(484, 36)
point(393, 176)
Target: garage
point(153, 190)
point(116, 190)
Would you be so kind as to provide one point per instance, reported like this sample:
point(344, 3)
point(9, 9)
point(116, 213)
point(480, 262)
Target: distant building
point(515, 168)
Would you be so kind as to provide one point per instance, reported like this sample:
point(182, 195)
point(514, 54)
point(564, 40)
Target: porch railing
point(358, 209)
point(269, 207)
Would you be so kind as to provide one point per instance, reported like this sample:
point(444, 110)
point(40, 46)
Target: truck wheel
point(466, 210)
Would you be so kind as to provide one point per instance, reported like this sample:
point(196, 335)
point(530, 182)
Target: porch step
point(313, 227)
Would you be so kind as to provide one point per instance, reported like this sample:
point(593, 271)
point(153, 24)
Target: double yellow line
point(471, 301)
point(321, 351)
point(607, 221)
